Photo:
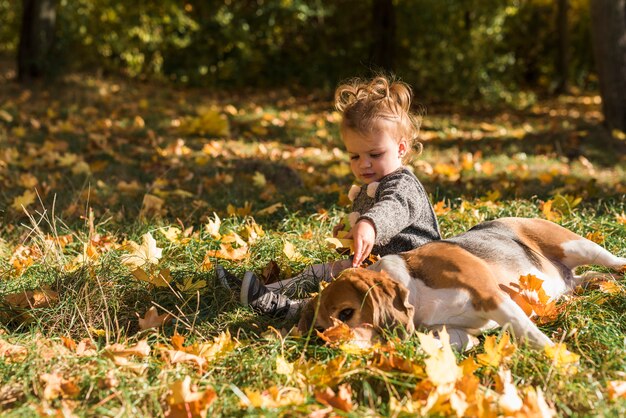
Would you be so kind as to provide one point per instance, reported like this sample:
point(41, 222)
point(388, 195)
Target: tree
point(608, 30)
point(384, 34)
point(36, 38)
point(562, 62)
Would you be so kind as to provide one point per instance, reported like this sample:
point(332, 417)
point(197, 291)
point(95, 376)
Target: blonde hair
point(364, 103)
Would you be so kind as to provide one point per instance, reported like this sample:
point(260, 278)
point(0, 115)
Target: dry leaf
point(441, 364)
point(152, 319)
point(509, 400)
point(158, 278)
point(176, 356)
point(274, 397)
point(563, 360)
point(187, 402)
point(23, 201)
point(342, 400)
point(616, 389)
point(13, 353)
point(496, 353)
point(56, 385)
point(140, 255)
point(291, 252)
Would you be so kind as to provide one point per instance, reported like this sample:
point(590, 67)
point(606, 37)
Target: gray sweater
point(400, 210)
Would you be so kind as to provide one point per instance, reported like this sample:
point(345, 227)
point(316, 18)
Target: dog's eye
point(346, 314)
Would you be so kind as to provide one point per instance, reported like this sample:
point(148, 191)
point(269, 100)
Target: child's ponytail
point(365, 102)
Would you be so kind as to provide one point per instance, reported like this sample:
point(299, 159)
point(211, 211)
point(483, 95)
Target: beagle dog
point(463, 283)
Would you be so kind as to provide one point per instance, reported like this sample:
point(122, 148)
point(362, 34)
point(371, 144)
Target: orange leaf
point(152, 319)
point(342, 400)
point(188, 402)
point(616, 389)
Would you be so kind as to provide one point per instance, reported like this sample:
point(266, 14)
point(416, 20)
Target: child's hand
point(363, 233)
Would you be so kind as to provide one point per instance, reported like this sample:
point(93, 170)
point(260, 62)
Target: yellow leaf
point(283, 366)
point(23, 201)
point(595, 236)
point(186, 401)
point(258, 179)
point(273, 397)
point(270, 209)
point(143, 254)
point(563, 360)
point(228, 251)
point(496, 354)
point(441, 364)
point(189, 285)
point(338, 243)
point(291, 252)
point(160, 278)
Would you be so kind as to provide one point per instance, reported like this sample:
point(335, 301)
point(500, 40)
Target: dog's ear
point(307, 315)
point(391, 305)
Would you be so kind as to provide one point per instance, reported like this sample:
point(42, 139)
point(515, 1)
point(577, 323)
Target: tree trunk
point(384, 32)
point(562, 63)
point(608, 30)
point(36, 38)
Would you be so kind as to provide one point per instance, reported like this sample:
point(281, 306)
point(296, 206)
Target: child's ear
point(403, 147)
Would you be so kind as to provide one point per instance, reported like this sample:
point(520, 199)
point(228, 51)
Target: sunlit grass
point(95, 146)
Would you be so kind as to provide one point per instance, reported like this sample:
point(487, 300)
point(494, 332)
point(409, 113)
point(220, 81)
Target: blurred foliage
point(445, 48)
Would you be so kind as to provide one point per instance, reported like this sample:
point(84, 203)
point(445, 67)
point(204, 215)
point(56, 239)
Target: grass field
point(89, 166)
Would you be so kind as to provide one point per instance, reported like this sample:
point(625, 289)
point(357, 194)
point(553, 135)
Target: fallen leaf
point(212, 227)
point(496, 353)
point(140, 255)
point(270, 209)
point(274, 397)
point(291, 252)
point(13, 353)
point(58, 386)
point(563, 360)
point(509, 400)
point(341, 400)
point(23, 201)
point(158, 278)
point(186, 401)
point(152, 319)
point(441, 366)
point(616, 389)
point(189, 286)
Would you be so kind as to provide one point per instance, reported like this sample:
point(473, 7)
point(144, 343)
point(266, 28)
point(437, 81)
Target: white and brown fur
point(462, 283)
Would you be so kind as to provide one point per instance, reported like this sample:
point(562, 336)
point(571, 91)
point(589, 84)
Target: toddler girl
point(391, 212)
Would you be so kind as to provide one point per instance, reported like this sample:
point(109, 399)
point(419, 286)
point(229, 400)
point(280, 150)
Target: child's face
point(374, 155)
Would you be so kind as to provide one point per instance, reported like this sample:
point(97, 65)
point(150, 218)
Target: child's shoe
point(227, 279)
point(262, 300)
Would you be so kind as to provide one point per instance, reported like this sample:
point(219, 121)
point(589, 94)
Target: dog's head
point(360, 296)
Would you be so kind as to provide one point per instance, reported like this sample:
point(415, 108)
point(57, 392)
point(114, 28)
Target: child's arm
point(399, 202)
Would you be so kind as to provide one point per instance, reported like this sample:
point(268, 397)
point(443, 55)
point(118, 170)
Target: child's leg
point(310, 278)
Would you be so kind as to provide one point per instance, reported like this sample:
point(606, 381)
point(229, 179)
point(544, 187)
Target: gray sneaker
point(227, 279)
point(261, 299)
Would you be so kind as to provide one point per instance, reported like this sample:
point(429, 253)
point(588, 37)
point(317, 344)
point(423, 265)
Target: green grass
point(531, 156)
